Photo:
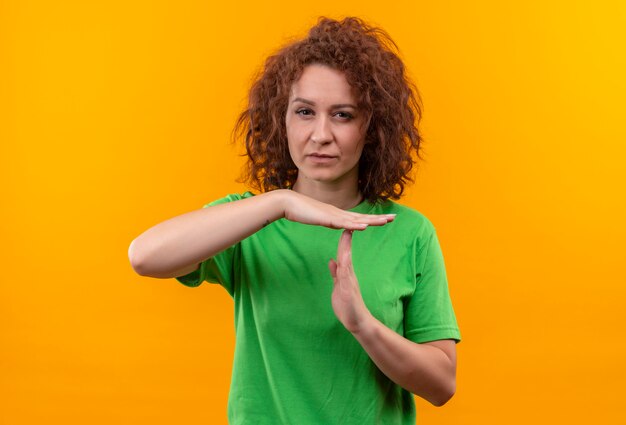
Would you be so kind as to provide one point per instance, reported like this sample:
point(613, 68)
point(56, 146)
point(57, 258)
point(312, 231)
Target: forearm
point(193, 237)
point(422, 369)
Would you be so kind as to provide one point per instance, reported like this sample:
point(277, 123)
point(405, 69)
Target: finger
point(351, 225)
point(374, 216)
point(375, 220)
point(332, 266)
point(361, 224)
point(344, 250)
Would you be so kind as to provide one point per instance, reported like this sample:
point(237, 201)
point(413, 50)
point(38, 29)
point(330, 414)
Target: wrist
point(280, 198)
point(366, 328)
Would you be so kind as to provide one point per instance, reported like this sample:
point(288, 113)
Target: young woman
point(330, 131)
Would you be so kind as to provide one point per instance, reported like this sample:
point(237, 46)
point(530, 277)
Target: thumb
point(332, 266)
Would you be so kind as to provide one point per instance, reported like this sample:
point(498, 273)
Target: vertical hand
point(347, 301)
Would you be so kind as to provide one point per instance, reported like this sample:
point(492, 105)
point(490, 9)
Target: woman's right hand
point(306, 210)
point(170, 248)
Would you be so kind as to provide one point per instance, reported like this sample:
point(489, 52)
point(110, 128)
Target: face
point(325, 129)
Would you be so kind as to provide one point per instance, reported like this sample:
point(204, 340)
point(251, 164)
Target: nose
point(321, 131)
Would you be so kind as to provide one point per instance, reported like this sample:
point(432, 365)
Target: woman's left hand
point(346, 298)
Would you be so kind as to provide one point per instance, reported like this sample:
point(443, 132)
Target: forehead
point(323, 84)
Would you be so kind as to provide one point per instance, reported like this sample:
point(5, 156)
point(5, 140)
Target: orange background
point(117, 115)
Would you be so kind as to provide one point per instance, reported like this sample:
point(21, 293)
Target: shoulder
point(409, 219)
point(229, 198)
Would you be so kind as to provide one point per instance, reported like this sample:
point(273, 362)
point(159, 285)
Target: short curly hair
point(367, 56)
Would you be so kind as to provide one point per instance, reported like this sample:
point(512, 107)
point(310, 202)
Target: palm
point(306, 210)
point(346, 298)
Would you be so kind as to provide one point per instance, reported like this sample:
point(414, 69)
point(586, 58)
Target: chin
point(321, 175)
point(324, 179)
point(324, 174)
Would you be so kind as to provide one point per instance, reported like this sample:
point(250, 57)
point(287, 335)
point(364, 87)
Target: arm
point(427, 370)
point(179, 244)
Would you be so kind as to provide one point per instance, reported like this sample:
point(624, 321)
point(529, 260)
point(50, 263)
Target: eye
point(304, 112)
point(344, 115)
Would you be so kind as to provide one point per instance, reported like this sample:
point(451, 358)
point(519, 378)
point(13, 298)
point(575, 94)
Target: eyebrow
point(338, 105)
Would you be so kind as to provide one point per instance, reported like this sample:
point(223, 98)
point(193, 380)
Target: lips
point(320, 155)
point(321, 159)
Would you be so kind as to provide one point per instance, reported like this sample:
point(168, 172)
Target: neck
point(341, 196)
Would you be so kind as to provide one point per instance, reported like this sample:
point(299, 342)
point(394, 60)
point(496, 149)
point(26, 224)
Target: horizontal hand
point(306, 210)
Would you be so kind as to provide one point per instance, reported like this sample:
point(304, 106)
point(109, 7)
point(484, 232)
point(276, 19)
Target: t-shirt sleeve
point(221, 267)
point(429, 315)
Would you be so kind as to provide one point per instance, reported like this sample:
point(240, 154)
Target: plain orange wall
point(117, 115)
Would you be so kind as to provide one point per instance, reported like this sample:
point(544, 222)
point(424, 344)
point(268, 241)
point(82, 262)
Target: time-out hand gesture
point(306, 210)
point(346, 298)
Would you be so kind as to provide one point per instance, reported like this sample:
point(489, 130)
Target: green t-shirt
point(294, 361)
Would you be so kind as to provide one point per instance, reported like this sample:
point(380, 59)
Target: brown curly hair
point(367, 56)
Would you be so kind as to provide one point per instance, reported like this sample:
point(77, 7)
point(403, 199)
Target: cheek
point(292, 140)
point(357, 141)
point(292, 130)
point(290, 135)
point(291, 148)
point(294, 149)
